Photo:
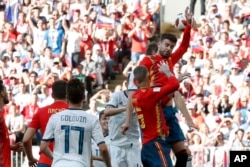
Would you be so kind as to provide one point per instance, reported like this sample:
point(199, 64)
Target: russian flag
point(104, 22)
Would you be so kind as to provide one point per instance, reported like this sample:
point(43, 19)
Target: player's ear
point(135, 82)
point(159, 44)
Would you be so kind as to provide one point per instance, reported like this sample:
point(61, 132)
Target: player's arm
point(48, 137)
point(129, 113)
point(27, 143)
point(97, 158)
point(105, 154)
point(44, 148)
point(177, 55)
point(97, 135)
point(172, 84)
point(110, 110)
point(180, 104)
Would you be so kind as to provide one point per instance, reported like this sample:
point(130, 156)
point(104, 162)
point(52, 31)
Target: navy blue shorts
point(156, 153)
point(43, 165)
point(175, 131)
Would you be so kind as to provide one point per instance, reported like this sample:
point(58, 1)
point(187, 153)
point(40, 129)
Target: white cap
point(16, 54)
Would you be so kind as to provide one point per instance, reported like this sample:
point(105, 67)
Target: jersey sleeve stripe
point(52, 139)
point(101, 143)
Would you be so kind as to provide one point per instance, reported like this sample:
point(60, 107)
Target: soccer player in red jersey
point(155, 149)
point(166, 45)
point(39, 121)
point(5, 146)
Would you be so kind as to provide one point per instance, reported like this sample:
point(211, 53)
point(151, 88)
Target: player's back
point(149, 114)
point(40, 120)
point(72, 134)
point(45, 113)
point(118, 100)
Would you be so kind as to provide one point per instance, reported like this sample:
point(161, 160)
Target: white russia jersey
point(72, 131)
point(131, 83)
point(96, 152)
point(118, 100)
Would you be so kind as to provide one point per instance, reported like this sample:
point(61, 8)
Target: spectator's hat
point(36, 59)
point(237, 16)
point(29, 49)
point(36, 8)
point(244, 37)
point(25, 70)
point(209, 39)
point(6, 55)
point(228, 115)
point(214, 5)
point(114, 11)
point(235, 66)
point(190, 106)
point(203, 18)
point(13, 76)
point(85, 13)
point(56, 60)
point(197, 69)
point(248, 130)
point(217, 15)
point(246, 78)
point(96, 47)
point(16, 54)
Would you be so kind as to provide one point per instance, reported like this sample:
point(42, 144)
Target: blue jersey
point(54, 39)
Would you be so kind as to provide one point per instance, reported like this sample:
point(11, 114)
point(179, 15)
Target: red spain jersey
point(151, 62)
point(40, 119)
point(146, 102)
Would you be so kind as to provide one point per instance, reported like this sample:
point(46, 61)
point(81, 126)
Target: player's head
point(3, 95)
point(59, 90)
point(103, 119)
point(75, 91)
point(141, 75)
point(152, 49)
point(166, 44)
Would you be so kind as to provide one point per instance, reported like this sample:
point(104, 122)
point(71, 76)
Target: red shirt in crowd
point(29, 111)
point(150, 114)
point(108, 48)
point(40, 119)
point(139, 41)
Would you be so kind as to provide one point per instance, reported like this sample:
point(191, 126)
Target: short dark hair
point(75, 91)
point(140, 73)
point(168, 36)
point(152, 47)
point(101, 114)
point(2, 87)
point(33, 72)
point(59, 89)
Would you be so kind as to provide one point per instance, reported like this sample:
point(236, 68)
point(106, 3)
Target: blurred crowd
point(43, 41)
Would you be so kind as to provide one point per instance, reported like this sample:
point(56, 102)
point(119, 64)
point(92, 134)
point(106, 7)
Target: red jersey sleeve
point(35, 123)
point(171, 86)
point(147, 62)
point(175, 57)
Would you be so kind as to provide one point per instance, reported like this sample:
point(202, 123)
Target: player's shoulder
point(150, 59)
point(118, 93)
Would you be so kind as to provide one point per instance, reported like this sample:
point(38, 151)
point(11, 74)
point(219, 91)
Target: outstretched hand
point(17, 147)
point(190, 18)
point(33, 162)
point(124, 128)
point(164, 68)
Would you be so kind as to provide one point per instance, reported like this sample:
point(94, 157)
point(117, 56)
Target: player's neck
point(61, 100)
point(143, 84)
point(75, 106)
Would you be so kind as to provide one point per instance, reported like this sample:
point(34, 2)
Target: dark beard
point(6, 101)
